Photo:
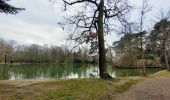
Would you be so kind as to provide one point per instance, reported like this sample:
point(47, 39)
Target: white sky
point(38, 23)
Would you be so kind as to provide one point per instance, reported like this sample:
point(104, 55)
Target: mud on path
point(21, 83)
point(150, 89)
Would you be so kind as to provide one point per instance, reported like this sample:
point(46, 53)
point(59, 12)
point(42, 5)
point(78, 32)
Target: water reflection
point(60, 71)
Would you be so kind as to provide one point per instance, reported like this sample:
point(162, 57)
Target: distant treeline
point(11, 52)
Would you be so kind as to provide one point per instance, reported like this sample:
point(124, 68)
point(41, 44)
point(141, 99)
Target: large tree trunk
point(166, 60)
point(165, 54)
point(102, 55)
point(5, 59)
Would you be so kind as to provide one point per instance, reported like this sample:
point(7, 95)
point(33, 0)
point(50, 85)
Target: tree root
point(106, 76)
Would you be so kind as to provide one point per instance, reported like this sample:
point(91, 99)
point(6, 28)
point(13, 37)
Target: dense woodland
point(156, 45)
point(11, 52)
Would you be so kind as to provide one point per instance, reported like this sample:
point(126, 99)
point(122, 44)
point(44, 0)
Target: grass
point(75, 89)
point(88, 89)
point(125, 86)
point(161, 73)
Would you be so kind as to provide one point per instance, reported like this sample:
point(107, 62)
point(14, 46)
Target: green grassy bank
point(75, 89)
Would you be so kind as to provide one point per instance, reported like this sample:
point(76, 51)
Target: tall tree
point(160, 37)
point(7, 8)
point(127, 48)
point(145, 8)
point(96, 18)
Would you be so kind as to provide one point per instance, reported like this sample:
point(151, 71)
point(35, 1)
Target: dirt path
point(20, 83)
point(150, 89)
point(24, 89)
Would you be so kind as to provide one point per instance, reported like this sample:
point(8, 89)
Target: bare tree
point(145, 8)
point(93, 20)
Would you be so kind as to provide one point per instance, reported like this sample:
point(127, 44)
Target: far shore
point(82, 64)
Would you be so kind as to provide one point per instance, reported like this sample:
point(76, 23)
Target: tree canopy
point(93, 20)
point(7, 8)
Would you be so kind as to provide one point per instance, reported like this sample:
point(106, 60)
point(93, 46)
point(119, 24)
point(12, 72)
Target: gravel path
point(151, 89)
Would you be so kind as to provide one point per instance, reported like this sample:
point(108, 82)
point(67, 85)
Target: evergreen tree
point(7, 8)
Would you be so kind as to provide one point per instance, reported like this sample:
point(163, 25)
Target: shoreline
point(72, 89)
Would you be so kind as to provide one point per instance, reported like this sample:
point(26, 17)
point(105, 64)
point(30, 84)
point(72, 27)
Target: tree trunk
point(136, 64)
point(142, 58)
point(143, 64)
point(164, 48)
point(123, 63)
point(102, 55)
point(5, 58)
point(111, 54)
point(166, 60)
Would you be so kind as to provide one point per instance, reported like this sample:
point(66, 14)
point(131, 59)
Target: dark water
point(59, 71)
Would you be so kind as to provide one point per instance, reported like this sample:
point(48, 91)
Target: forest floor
point(153, 87)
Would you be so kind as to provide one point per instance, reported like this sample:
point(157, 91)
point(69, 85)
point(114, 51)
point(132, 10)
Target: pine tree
point(7, 8)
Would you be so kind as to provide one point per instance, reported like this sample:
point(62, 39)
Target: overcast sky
point(38, 23)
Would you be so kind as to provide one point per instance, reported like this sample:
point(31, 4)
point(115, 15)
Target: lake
point(61, 71)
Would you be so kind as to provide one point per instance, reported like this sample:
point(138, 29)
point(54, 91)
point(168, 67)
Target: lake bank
point(60, 71)
point(72, 89)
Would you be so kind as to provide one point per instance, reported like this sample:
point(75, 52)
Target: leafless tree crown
point(84, 23)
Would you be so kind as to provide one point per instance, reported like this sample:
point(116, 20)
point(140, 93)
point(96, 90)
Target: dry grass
point(75, 89)
point(163, 73)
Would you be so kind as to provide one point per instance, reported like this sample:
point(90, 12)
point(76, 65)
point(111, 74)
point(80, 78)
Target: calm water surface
point(60, 71)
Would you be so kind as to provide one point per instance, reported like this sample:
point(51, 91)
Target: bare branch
point(79, 1)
